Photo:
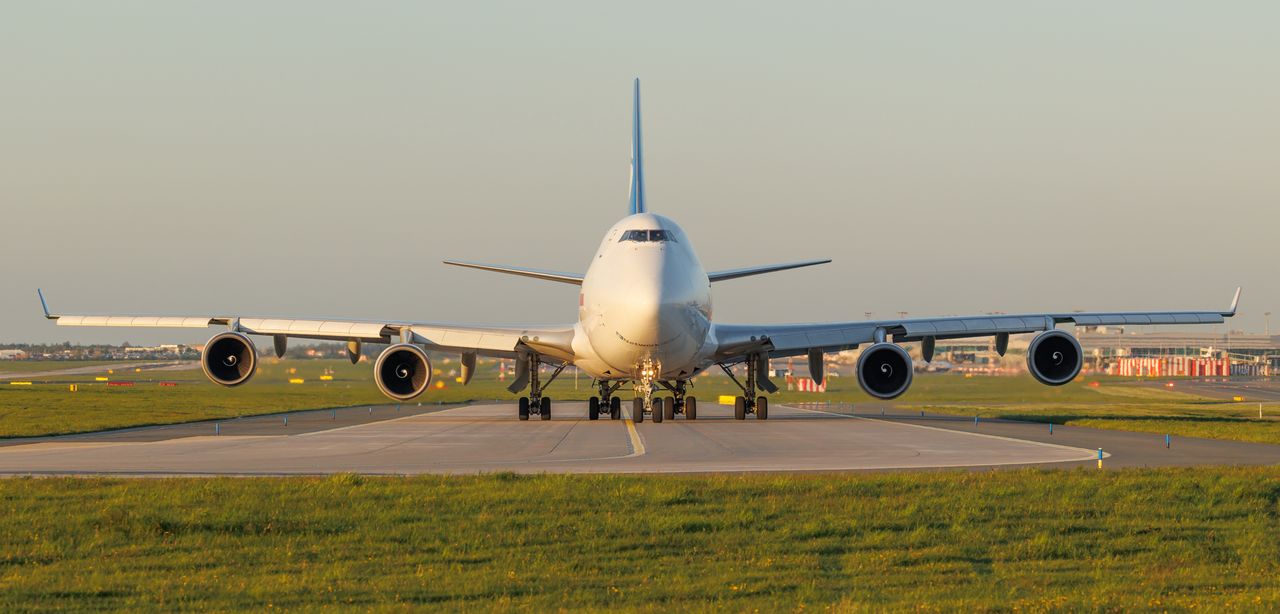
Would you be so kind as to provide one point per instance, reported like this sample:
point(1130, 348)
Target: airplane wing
point(484, 340)
point(738, 340)
point(757, 270)
point(564, 278)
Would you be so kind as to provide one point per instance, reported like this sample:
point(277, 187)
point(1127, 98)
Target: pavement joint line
point(389, 420)
point(1092, 454)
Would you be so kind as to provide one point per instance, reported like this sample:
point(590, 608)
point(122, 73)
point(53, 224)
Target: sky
point(320, 159)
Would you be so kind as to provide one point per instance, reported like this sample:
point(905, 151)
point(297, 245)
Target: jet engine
point(1054, 357)
point(229, 359)
point(884, 371)
point(402, 371)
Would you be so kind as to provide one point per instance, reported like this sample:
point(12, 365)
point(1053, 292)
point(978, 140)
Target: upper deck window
point(647, 235)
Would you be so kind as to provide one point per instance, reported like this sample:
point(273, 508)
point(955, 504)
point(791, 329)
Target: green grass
point(18, 367)
point(1119, 404)
point(1203, 539)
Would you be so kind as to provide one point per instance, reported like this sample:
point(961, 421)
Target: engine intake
point(229, 359)
point(402, 371)
point(1054, 357)
point(884, 371)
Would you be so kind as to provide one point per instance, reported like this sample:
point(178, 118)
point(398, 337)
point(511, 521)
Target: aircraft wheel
point(637, 410)
point(593, 408)
point(615, 408)
point(739, 408)
point(658, 412)
point(669, 410)
point(524, 408)
point(690, 408)
point(762, 408)
point(544, 407)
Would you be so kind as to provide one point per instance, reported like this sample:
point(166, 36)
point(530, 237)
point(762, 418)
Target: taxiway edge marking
point(637, 444)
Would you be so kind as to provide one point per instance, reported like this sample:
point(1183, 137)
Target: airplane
point(645, 318)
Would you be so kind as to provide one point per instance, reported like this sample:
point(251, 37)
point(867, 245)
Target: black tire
point(544, 408)
point(524, 408)
point(593, 408)
point(658, 412)
point(637, 410)
point(739, 408)
point(615, 408)
point(669, 410)
point(762, 408)
point(690, 408)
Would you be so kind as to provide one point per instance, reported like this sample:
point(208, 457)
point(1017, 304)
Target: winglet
point(1235, 302)
point(637, 157)
point(44, 305)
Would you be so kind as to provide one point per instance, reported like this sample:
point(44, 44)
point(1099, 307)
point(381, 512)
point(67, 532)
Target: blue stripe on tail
point(637, 158)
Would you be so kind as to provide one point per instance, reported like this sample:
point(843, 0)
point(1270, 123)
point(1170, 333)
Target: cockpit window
point(648, 235)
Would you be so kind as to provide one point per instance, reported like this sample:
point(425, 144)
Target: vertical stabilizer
point(637, 157)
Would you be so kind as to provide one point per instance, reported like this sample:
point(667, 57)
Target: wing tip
point(1235, 302)
point(44, 306)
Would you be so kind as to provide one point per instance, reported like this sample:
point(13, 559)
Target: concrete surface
point(488, 438)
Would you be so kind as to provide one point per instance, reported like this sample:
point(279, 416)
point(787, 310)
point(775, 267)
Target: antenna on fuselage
point(637, 157)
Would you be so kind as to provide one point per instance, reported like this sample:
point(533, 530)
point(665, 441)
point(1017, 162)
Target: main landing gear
point(680, 402)
point(748, 402)
point(535, 403)
point(607, 402)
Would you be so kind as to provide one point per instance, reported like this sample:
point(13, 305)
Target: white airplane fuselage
point(644, 304)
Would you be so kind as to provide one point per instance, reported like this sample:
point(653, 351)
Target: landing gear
point(658, 411)
point(535, 403)
point(690, 408)
point(637, 410)
point(669, 410)
point(679, 402)
point(749, 403)
point(607, 402)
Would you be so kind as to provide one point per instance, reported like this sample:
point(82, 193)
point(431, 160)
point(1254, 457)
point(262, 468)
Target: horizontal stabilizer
point(564, 278)
point(757, 270)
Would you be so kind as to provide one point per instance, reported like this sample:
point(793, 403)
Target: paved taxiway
point(487, 438)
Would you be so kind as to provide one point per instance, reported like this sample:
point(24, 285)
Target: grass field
point(16, 368)
point(49, 408)
point(1202, 539)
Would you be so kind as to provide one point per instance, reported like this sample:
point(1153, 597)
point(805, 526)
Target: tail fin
point(637, 158)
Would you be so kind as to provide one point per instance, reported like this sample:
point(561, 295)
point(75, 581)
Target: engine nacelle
point(1054, 357)
point(402, 371)
point(885, 371)
point(229, 359)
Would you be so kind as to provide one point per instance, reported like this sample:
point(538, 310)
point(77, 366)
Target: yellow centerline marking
point(637, 444)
